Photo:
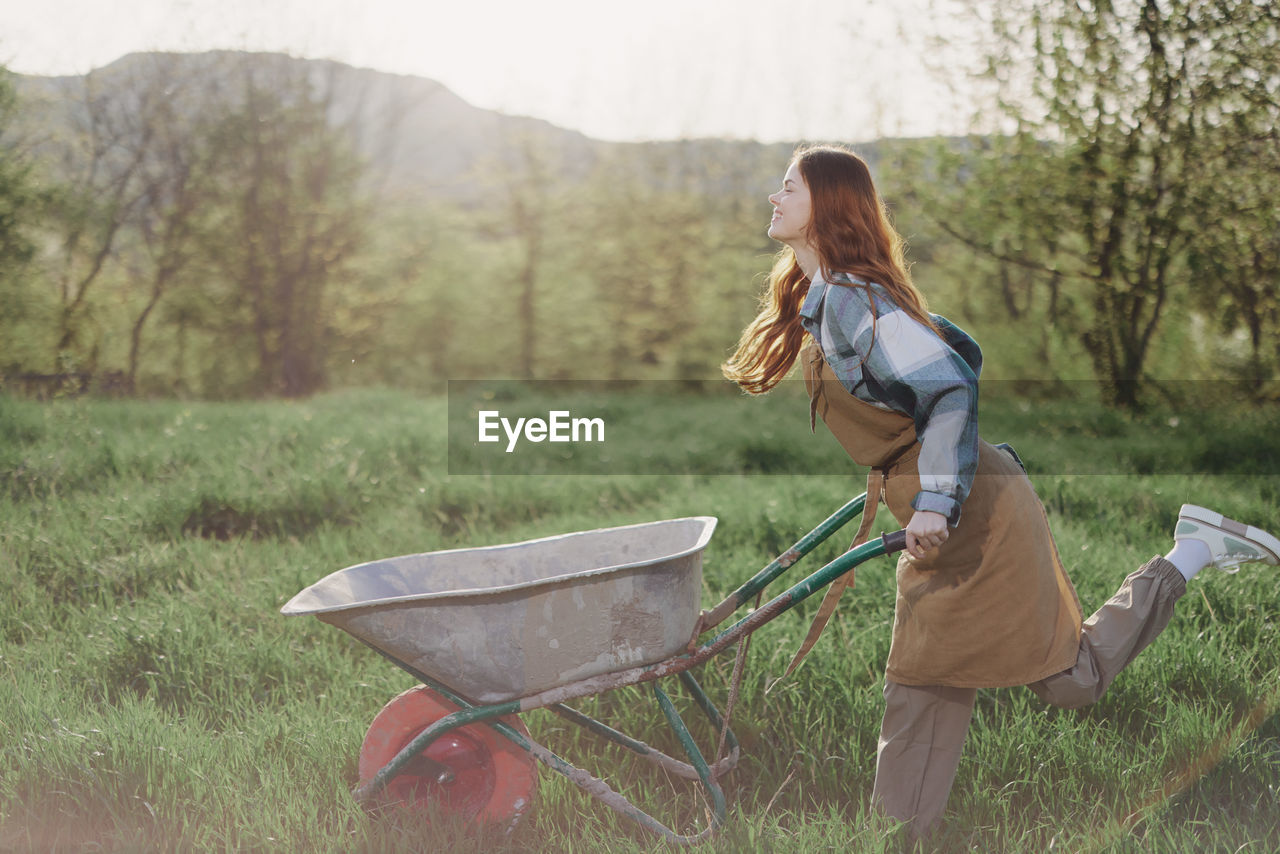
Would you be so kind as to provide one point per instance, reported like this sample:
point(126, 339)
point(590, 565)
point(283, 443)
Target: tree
point(287, 214)
point(1123, 114)
point(1235, 261)
point(17, 190)
point(113, 129)
point(19, 206)
point(164, 218)
point(528, 198)
point(1235, 257)
point(644, 238)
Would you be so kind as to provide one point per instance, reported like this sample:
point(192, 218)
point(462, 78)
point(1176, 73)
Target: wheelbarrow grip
point(895, 541)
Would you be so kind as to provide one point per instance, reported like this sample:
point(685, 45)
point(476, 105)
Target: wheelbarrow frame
point(696, 768)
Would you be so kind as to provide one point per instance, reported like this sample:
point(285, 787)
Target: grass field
point(152, 697)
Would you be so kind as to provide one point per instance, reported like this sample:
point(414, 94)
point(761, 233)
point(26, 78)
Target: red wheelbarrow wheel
point(492, 779)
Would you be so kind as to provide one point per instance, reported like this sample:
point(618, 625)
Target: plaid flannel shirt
point(902, 365)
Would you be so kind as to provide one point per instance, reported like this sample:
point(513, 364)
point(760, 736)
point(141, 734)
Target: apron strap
point(815, 387)
point(875, 486)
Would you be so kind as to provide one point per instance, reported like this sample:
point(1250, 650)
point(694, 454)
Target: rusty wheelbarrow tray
point(505, 629)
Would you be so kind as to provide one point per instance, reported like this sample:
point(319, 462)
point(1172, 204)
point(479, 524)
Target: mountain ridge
point(425, 139)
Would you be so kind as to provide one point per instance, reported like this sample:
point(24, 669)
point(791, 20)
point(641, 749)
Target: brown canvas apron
point(992, 606)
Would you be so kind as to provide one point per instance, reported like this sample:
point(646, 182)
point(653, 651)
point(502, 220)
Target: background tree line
point(239, 225)
point(235, 224)
point(1131, 207)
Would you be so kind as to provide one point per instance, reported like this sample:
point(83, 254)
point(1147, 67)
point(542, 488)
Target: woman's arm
point(909, 368)
point(919, 374)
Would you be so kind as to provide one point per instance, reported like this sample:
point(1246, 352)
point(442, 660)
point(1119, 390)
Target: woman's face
point(791, 209)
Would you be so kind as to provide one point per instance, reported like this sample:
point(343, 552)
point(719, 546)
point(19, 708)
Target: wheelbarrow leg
point(695, 756)
point(600, 791)
point(723, 764)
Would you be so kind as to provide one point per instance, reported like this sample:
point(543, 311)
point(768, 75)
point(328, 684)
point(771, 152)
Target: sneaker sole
point(1256, 536)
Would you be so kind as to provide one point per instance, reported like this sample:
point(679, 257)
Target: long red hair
point(849, 230)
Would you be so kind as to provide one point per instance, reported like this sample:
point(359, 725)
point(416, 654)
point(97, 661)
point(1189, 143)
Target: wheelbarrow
point(495, 631)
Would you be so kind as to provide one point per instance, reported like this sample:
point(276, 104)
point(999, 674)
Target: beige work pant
point(924, 726)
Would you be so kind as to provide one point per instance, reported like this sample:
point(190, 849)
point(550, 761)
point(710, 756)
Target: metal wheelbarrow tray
point(495, 631)
point(502, 622)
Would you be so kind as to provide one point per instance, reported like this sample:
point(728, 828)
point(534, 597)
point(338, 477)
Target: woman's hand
point(926, 531)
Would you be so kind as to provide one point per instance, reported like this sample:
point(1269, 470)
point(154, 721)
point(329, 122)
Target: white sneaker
point(1230, 542)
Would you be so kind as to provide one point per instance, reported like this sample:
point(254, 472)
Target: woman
point(982, 598)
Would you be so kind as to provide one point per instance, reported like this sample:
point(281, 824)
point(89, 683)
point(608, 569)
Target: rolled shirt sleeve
point(884, 356)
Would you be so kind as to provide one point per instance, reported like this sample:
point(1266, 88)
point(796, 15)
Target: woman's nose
point(773, 197)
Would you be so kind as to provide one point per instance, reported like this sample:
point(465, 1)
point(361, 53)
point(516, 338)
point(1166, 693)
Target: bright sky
point(846, 70)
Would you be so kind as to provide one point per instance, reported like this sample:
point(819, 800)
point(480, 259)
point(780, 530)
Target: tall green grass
point(151, 696)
